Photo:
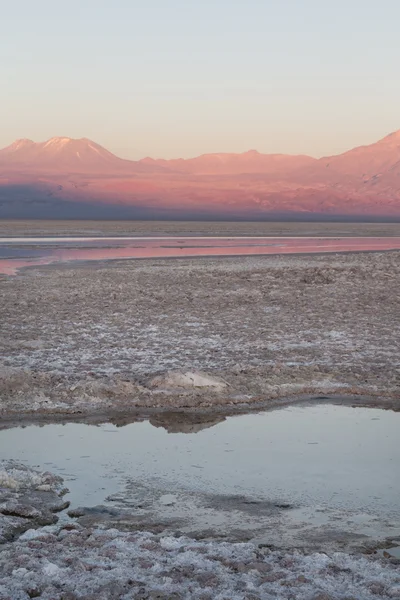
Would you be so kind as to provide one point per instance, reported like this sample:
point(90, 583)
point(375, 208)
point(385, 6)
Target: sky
point(179, 78)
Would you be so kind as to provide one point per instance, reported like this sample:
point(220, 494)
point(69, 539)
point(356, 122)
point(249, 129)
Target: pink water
point(62, 250)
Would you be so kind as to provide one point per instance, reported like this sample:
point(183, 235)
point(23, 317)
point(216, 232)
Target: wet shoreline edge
point(123, 416)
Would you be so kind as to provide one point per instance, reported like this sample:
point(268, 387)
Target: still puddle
point(288, 476)
point(16, 253)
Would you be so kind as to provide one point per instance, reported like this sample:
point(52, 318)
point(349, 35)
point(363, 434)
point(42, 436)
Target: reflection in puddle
point(16, 253)
point(330, 466)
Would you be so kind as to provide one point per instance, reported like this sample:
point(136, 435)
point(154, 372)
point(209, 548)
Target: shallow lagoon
point(297, 470)
point(17, 253)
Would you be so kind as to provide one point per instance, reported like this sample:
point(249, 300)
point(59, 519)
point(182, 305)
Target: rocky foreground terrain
point(43, 556)
point(114, 337)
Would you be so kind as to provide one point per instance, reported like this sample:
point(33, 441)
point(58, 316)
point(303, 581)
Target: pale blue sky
point(182, 77)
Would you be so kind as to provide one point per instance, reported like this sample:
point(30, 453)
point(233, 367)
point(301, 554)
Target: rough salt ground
point(87, 337)
point(17, 477)
point(112, 564)
point(28, 498)
point(71, 562)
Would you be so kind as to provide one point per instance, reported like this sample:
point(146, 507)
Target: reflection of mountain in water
point(173, 422)
point(178, 422)
point(126, 420)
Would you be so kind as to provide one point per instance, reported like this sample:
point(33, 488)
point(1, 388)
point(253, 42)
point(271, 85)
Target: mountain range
point(77, 178)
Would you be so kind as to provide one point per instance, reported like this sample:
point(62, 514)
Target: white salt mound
point(188, 380)
point(15, 476)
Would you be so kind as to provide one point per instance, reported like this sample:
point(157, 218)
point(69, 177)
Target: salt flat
point(94, 337)
point(186, 342)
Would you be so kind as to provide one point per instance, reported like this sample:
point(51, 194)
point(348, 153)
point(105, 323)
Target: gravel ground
point(88, 338)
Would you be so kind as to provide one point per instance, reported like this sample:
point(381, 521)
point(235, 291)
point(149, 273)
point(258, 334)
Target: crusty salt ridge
point(15, 476)
point(28, 499)
point(106, 564)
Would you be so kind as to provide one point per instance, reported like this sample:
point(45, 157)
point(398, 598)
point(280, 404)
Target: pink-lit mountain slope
point(234, 164)
point(367, 162)
point(79, 174)
point(64, 155)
